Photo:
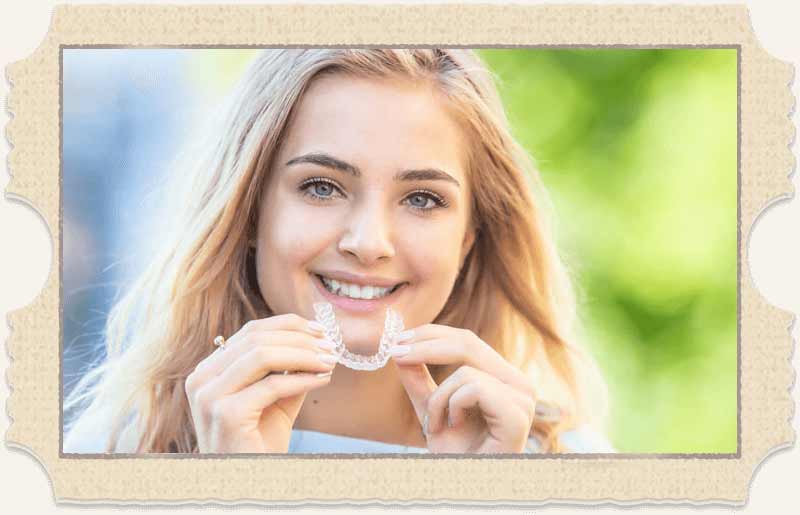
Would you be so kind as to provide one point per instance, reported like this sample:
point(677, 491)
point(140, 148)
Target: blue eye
point(424, 197)
point(322, 189)
point(319, 188)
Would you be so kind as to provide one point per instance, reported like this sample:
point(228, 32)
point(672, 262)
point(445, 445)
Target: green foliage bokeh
point(638, 151)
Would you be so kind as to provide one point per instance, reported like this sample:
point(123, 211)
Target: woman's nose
point(367, 235)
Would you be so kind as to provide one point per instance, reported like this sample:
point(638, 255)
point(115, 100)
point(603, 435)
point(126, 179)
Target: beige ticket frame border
point(765, 344)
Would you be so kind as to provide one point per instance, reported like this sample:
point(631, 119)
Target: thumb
point(419, 385)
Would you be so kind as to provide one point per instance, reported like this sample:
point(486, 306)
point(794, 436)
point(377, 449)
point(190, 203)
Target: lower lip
point(356, 305)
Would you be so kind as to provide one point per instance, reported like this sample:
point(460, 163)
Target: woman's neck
point(372, 405)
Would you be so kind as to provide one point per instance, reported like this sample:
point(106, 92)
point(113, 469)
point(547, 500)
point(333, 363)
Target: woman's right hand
point(235, 408)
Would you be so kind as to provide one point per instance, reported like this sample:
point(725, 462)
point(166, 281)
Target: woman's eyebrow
point(328, 161)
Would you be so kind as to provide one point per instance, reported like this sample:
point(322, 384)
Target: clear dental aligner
point(393, 325)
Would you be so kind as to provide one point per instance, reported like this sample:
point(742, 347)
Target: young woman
point(367, 179)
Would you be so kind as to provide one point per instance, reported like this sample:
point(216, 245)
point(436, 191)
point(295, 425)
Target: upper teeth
point(355, 291)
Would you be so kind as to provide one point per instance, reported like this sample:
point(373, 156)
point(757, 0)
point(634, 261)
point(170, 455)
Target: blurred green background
point(637, 148)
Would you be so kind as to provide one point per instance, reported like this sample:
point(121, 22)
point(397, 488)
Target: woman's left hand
point(489, 402)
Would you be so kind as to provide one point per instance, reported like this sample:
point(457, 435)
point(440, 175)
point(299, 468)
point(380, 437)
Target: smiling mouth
point(359, 293)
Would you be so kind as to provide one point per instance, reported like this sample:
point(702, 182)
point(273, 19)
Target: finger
point(259, 361)
point(437, 406)
point(503, 417)
point(423, 332)
point(243, 343)
point(272, 388)
point(214, 364)
point(436, 351)
point(418, 384)
point(286, 322)
point(279, 323)
point(465, 398)
point(464, 349)
point(438, 402)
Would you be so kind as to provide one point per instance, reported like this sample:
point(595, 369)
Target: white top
point(581, 440)
point(307, 441)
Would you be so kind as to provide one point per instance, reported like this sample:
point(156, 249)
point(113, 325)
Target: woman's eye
point(319, 189)
point(322, 189)
point(426, 201)
point(421, 201)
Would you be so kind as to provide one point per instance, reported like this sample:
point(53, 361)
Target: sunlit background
point(637, 148)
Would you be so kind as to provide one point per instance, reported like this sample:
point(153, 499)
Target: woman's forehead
point(398, 124)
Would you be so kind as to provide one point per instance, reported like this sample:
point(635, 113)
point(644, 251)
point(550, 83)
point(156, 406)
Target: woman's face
point(369, 189)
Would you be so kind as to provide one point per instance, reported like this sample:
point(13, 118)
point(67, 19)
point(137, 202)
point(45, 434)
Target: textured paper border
point(765, 344)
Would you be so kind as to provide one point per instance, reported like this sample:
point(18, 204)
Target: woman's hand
point(235, 408)
point(489, 402)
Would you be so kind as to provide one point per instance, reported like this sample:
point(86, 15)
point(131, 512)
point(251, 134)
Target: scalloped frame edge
point(766, 162)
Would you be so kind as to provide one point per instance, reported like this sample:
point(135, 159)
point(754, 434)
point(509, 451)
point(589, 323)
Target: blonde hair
point(513, 290)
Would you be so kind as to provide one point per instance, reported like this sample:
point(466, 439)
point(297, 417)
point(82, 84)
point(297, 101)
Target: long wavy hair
point(513, 289)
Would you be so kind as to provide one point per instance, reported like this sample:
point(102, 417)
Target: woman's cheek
point(433, 245)
point(304, 223)
point(308, 241)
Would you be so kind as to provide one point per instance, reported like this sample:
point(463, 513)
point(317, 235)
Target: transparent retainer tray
point(392, 326)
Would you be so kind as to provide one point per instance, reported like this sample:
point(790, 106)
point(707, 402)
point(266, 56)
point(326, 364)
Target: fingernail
point(316, 326)
point(425, 424)
point(324, 344)
point(399, 350)
point(328, 358)
point(405, 335)
point(449, 421)
point(325, 374)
